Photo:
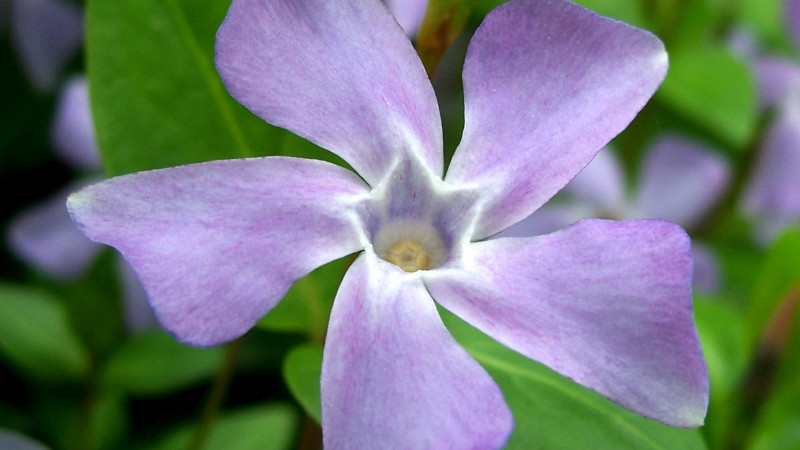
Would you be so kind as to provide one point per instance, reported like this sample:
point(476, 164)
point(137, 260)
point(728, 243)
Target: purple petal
point(12, 440)
point(680, 181)
point(793, 19)
point(772, 194)
point(392, 375)
point(776, 77)
point(549, 218)
point(705, 275)
point(45, 237)
point(216, 245)
point(72, 132)
point(46, 34)
point(340, 74)
point(547, 83)
point(409, 13)
point(600, 184)
point(607, 304)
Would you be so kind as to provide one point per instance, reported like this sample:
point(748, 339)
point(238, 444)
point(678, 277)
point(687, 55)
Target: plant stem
point(443, 22)
point(217, 395)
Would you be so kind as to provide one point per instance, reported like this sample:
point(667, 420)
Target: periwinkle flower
point(46, 35)
point(43, 235)
point(11, 440)
point(547, 83)
point(771, 196)
point(680, 181)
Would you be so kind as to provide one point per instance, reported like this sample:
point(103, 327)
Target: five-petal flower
point(547, 84)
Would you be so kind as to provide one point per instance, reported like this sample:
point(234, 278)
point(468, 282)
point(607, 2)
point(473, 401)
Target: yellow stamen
point(408, 255)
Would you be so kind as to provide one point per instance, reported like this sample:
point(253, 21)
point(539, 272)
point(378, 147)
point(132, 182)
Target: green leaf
point(36, 336)
point(109, 420)
point(710, 86)
point(155, 363)
point(766, 18)
point(725, 344)
point(306, 307)
point(301, 370)
point(94, 305)
point(727, 351)
point(75, 420)
point(696, 23)
point(550, 411)
point(261, 427)
point(156, 98)
point(12, 417)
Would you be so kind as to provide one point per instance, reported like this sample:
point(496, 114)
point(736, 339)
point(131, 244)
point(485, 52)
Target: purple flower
point(547, 83)
point(680, 181)
point(44, 236)
point(46, 35)
point(18, 441)
point(771, 196)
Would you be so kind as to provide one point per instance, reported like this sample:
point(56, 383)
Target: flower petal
point(793, 19)
point(680, 181)
point(772, 194)
point(607, 304)
point(776, 77)
point(216, 245)
point(547, 83)
point(705, 274)
point(409, 13)
point(393, 376)
point(44, 237)
point(72, 132)
point(600, 184)
point(46, 33)
point(549, 218)
point(16, 441)
point(340, 74)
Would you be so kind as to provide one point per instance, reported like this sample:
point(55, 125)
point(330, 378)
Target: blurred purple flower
point(680, 181)
point(46, 35)
point(771, 196)
point(547, 83)
point(792, 14)
point(72, 131)
point(11, 440)
point(44, 235)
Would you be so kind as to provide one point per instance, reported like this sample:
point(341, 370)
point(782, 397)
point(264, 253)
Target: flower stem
point(442, 24)
point(311, 435)
point(217, 395)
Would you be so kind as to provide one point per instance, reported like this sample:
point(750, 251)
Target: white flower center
point(410, 245)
